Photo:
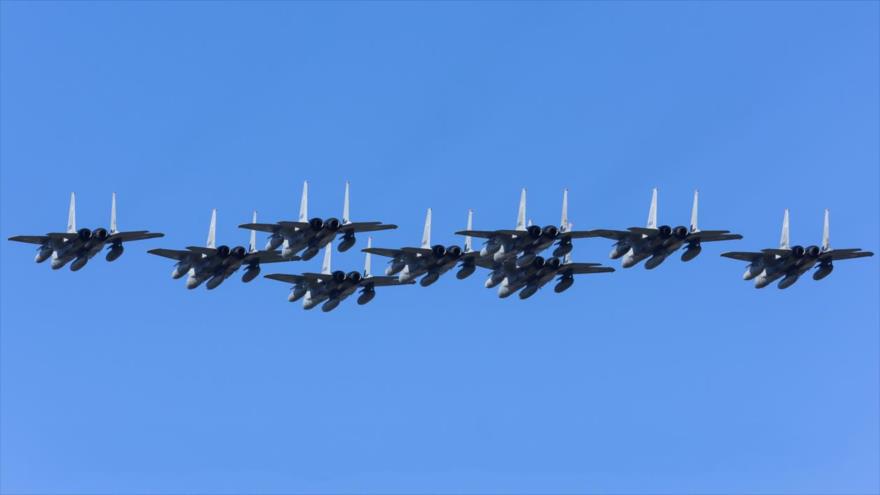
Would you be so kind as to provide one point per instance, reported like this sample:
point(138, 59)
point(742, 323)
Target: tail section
point(468, 240)
point(783, 239)
point(521, 214)
point(325, 266)
point(345, 206)
point(826, 234)
point(212, 230)
point(563, 224)
point(652, 213)
point(71, 214)
point(694, 227)
point(113, 228)
point(426, 234)
point(567, 258)
point(252, 245)
point(304, 203)
point(367, 259)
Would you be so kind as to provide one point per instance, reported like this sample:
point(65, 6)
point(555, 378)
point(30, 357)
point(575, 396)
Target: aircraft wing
point(845, 254)
point(174, 254)
point(413, 250)
point(383, 281)
point(283, 277)
point(261, 227)
point(582, 268)
point(30, 239)
point(643, 230)
point(713, 235)
point(390, 253)
point(366, 227)
point(483, 234)
point(743, 255)
point(267, 257)
point(135, 235)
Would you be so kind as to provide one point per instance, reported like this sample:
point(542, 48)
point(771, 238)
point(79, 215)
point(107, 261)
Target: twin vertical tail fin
point(212, 230)
point(426, 234)
point(652, 213)
point(345, 206)
point(367, 259)
point(304, 203)
point(325, 266)
point(113, 228)
point(563, 223)
point(521, 214)
point(783, 239)
point(468, 240)
point(252, 245)
point(826, 234)
point(694, 227)
point(71, 214)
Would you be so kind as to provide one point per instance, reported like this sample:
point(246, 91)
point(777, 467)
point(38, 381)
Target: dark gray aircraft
point(216, 264)
point(81, 245)
point(410, 263)
point(789, 263)
point(308, 236)
point(525, 242)
point(656, 243)
point(331, 287)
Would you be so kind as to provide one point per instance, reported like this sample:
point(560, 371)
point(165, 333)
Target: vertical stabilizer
point(652, 213)
point(325, 266)
point(826, 234)
point(304, 203)
point(563, 224)
point(345, 206)
point(71, 214)
point(694, 227)
point(468, 240)
point(252, 245)
point(212, 230)
point(113, 228)
point(426, 234)
point(521, 214)
point(367, 260)
point(783, 239)
point(567, 258)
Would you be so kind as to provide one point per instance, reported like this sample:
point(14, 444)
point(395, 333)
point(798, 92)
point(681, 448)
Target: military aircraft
point(413, 262)
point(333, 287)
point(525, 242)
point(81, 245)
point(216, 264)
point(789, 263)
point(307, 236)
point(656, 243)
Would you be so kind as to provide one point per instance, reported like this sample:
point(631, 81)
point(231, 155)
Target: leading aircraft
point(216, 264)
point(82, 245)
point(333, 287)
point(656, 243)
point(789, 263)
point(307, 236)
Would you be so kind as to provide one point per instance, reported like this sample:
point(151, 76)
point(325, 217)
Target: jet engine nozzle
point(550, 231)
point(453, 251)
point(534, 231)
point(354, 277)
point(84, 234)
point(332, 224)
point(99, 234)
point(316, 223)
point(366, 296)
point(439, 251)
point(553, 263)
point(223, 251)
point(338, 276)
point(680, 232)
point(346, 243)
point(114, 252)
point(813, 251)
point(798, 251)
point(238, 252)
point(564, 284)
point(538, 262)
point(823, 271)
point(665, 231)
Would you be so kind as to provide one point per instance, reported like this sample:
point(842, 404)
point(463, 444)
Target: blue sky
point(685, 379)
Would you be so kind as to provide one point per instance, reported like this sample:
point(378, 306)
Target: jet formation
point(514, 259)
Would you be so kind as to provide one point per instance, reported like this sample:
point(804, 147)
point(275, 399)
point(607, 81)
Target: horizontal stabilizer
point(390, 253)
point(413, 250)
point(383, 281)
point(615, 235)
point(483, 234)
point(845, 254)
point(30, 239)
point(743, 255)
point(136, 235)
point(283, 277)
point(585, 268)
point(173, 254)
point(261, 227)
point(367, 227)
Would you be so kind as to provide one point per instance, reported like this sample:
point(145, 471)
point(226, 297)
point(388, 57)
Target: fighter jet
point(413, 262)
point(789, 263)
point(81, 245)
point(216, 264)
point(307, 236)
point(331, 287)
point(657, 243)
point(525, 242)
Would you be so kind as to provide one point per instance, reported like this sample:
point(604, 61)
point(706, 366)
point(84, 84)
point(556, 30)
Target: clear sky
point(685, 379)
